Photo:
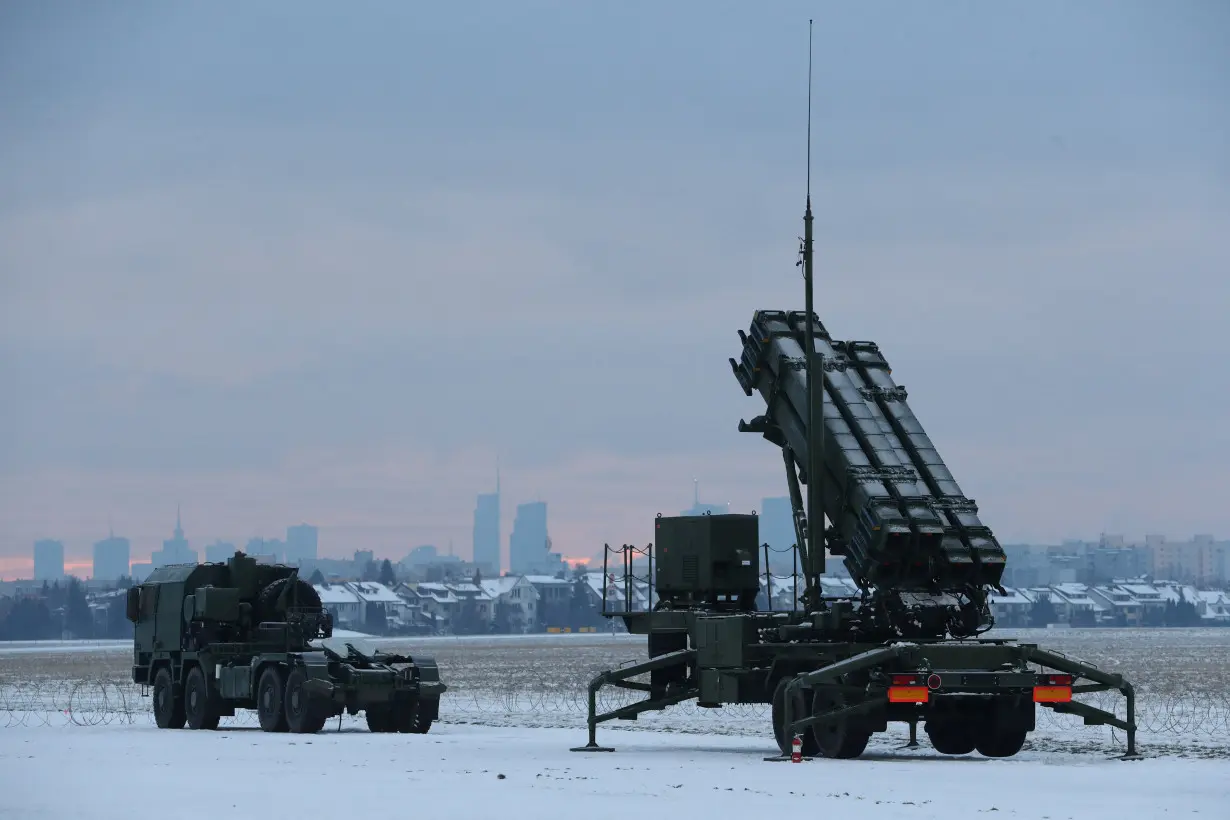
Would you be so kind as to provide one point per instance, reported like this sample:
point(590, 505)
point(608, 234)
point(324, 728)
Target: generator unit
point(707, 560)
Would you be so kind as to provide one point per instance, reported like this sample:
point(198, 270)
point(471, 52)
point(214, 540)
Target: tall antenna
point(809, 114)
point(814, 558)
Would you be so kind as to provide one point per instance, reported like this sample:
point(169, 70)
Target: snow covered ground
point(469, 772)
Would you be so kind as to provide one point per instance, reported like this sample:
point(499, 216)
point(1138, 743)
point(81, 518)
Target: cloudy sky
point(292, 264)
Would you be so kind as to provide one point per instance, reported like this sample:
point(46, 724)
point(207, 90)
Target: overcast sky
point(290, 263)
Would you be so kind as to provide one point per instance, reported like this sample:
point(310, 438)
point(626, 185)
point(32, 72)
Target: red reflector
point(934, 681)
point(1052, 694)
point(907, 694)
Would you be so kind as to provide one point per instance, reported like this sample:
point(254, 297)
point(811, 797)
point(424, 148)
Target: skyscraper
point(527, 545)
point(48, 560)
point(699, 508)
point(111, 558)
point(301, 543)
point(777, 523)
point(487, 529)
point(174, 550)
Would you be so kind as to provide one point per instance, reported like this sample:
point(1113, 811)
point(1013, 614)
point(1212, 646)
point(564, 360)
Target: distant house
point(1074, 605)
point(1121, 608)
point(1013, 609)
point(342, 603)
point(374, 596)
point(437, 604)
point(516, 602)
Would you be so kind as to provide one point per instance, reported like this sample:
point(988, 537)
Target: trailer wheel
point(844, 739)
point(418, 718)
point(950, 737)
point(269, 701)
point(994, 742)
point(380, 719)
point(798, 709)
point(168, 704)
point(200, 704)
point(303, 715)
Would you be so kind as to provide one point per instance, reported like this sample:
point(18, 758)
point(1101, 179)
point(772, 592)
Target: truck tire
point(798, 710)
point(168, 703)
point(1000, 742)
point(845, 739)
point(303, 715)
point(380, 719)
point(269, 697)
point(201, 705)
point(418, 718)
point(951, 737)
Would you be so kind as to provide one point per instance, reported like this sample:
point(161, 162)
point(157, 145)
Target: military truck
point(216, 637)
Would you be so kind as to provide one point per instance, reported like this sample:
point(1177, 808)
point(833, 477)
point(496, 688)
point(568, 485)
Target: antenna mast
point(815, 381)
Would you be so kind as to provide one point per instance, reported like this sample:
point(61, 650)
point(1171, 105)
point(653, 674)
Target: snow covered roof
point(1015, 597)
point(1142, 591)
point(1074, 594)
point(335, 594)
point(495, 587)
point(372, 592)
point(547, 580)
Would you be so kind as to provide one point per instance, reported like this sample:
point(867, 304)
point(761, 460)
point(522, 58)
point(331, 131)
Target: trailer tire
point(951, 737)
point(168, 703)
point(995, 742)
point(303, 715)
point(269, 699)
point(798, 710)
point(201, 706)
point(845, 739)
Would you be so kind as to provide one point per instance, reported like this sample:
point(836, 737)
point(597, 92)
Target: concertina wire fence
point(1184, 718)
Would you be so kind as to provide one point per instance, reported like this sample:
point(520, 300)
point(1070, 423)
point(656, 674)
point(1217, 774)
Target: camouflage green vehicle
point(213, 638)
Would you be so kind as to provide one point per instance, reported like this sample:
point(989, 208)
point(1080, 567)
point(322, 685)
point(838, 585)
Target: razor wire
point(533, 700)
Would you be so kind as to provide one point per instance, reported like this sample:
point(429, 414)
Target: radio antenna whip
point(815, 381)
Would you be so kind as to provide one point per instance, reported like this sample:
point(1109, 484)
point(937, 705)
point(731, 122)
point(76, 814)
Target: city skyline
point(776, 529)
point(341, 288)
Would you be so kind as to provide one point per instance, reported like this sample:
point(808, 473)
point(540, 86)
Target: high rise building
point(777, 524)
point(48, 560)
point(175, 549)
point(699, 508)
point(219, 552)
point(270, 549)
point(112, 556)
point(487, 529)
point(301, 543)
point(528, 545)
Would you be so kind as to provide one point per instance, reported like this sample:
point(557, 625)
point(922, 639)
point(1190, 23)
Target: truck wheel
point(168, 705)
point(418, 718)
point(999, 742)
point(269, 701)
point(303, 715)
point(950, 737)
point(200, 705)
point(844, 739)
point(798, 709)
point(380, 719)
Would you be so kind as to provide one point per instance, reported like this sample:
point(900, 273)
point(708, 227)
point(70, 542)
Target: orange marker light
point(907, 694)
point(1052, 694)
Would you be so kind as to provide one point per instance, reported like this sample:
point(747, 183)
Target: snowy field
point(517, 703)
point(468, 772)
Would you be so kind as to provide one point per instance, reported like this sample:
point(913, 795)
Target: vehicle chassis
point(848, 684)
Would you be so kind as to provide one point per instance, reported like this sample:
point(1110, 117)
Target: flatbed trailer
point(832, 696)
